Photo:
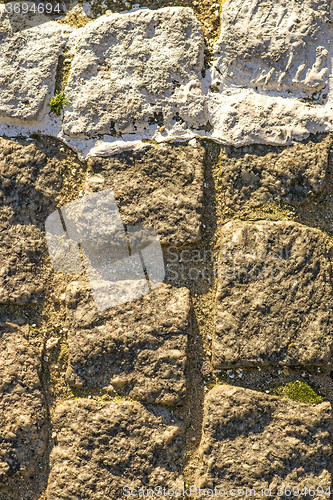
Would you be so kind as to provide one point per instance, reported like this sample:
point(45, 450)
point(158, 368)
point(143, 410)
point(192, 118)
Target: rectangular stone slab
point(23, 433)
point(274, 297)
point(137, 349)
point(101, 448)
point(135, 70)
point(29, 51)
point(161, 188)
point(254, 441)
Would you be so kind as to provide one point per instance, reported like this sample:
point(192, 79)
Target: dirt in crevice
point(62, 72)
point(193, 266)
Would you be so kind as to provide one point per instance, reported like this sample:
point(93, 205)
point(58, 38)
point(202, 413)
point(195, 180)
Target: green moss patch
point(299, 391)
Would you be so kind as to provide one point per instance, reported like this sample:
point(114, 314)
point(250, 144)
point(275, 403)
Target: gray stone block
point(136, 70)
point(23, 431)
point(254, 441)
point(274, 297)
point(102, 448)
point(137, 349)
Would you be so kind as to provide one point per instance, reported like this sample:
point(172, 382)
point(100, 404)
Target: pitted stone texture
point(22, 409)
point(102, 448)
point(30, 180)
point(29, 49)
point(242, 117)
point(22, 250)
point(259, 174)
point(137, 349)
point(277, 47)
point(254, 441)
point(270, 77)
point(137, 69)
point(161, 188)
point(274, 298)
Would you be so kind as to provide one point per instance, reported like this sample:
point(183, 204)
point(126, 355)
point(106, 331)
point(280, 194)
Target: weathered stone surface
point(274, 298)
point(137, 349)
point(161, 187)
point(269, 82)
point(271, 67)
point(22, 249)
point(254, 441)
point(31, 176)
point(293, 63)
point(262, 174)
point(29, 49)
point(102, 448)
point(134, 70)
point(22, 408)
point(30, 180)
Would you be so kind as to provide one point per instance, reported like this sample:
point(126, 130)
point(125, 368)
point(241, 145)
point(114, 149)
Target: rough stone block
point(29, 49)
point(275, 47)
point(274, 298)
point(261, 174)
point(137, 349)
point(30, 180)
point(23, 435)
point(135, 70)
point(161, 188)
point(22, 249)
point(104, 447)
point(254, 441)
point(271, 72)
